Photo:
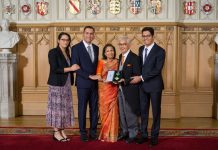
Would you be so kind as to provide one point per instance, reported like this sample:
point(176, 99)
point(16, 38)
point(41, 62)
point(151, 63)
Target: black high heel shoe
point(59, 140)
point(66, 139)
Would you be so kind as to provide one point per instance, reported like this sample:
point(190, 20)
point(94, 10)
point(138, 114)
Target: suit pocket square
point(129, 65)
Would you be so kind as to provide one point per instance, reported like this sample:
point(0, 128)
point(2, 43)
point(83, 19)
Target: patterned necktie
point(90, 52)
point(145, 56)
point(122, 60)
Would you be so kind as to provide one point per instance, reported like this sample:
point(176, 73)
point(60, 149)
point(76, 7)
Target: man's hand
point(94, 77)
point(135, 79)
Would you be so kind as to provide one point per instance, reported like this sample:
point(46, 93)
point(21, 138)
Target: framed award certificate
point(113, 76)
point(110, 76)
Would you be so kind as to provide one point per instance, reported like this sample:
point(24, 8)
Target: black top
point(57, 61)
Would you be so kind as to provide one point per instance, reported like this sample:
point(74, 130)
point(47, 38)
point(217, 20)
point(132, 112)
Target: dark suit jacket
point(131, 68)
point(151, 70)
point(57, 62)
point(81, 57)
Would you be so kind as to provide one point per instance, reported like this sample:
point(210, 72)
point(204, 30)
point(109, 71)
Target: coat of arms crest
point(189, 7)
point(135, 7)
point(95, 6)
point(74, 6)
point(155, 6)
point(42, 8)
point(115, 6)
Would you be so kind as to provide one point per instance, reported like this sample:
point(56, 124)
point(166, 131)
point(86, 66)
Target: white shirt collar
point(149, 47)
point(126, 53)
point(86, 44)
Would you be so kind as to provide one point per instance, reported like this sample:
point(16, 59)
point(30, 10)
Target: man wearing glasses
point(152, 59)
point(128, 94)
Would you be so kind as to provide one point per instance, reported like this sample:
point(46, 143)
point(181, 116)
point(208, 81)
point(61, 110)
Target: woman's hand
point(74, 67)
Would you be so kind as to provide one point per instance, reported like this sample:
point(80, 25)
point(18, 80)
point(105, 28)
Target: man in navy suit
point(85, 54)
point(152, 59)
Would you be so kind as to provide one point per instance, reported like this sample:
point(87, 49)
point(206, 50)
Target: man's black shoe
point(141, 140)
point(93, 137)
point(122, 137)
point(84, 138)
point(130, 140)
point(154, 141)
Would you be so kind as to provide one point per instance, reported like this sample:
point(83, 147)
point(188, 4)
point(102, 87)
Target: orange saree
point(108, 103)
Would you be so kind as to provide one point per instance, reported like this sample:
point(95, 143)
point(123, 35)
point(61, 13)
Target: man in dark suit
point(152, 58)
point(128, 93)
point(85, 54)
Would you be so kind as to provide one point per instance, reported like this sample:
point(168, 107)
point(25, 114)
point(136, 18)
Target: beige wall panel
point(26, 60)
point(169, 64)
point(188, 51)
point(196, 104)
point(35, 108)
point(170, 107)
point(200, 110)
point(42, 49)
point(206, 61)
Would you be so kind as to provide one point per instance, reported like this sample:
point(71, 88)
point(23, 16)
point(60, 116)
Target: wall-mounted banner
point(206, 7)
point(135, 7)
point(74, 6)
point(94, 6)
point(42, 8)
point(155, 6)
point(115, 6)
point(189, 7)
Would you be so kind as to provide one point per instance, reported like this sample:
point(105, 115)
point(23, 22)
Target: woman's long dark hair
point(104, 49)
point(68, 46)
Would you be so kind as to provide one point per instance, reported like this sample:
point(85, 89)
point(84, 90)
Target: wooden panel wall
point(188, 70)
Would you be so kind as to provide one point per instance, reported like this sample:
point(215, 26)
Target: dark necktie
point(90, 52)
point(145, 56)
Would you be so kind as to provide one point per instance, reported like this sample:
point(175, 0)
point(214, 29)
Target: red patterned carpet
point(45, 142)
point(75, 131)
point(40, 138)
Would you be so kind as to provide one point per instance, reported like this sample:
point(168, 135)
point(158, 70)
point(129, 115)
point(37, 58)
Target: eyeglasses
point(146, 36)
point(122, 44)
point(65, 40)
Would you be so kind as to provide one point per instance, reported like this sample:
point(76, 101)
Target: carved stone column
point(7, 85)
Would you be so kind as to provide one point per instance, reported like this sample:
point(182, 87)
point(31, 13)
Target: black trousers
point(85, 96)
point(145, 99)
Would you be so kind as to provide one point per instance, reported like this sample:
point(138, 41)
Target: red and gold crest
point(74, 6)
point(189, 7)
point(42, 8)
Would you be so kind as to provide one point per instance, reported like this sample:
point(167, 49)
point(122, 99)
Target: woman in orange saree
point(108, 102)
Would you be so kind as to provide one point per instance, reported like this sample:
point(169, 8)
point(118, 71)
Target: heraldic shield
point(189, 8)
point(74, 6)
point(115, 6)
point(42, 8)
point(95, 6)
point(155, 6)
point(135, 6)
